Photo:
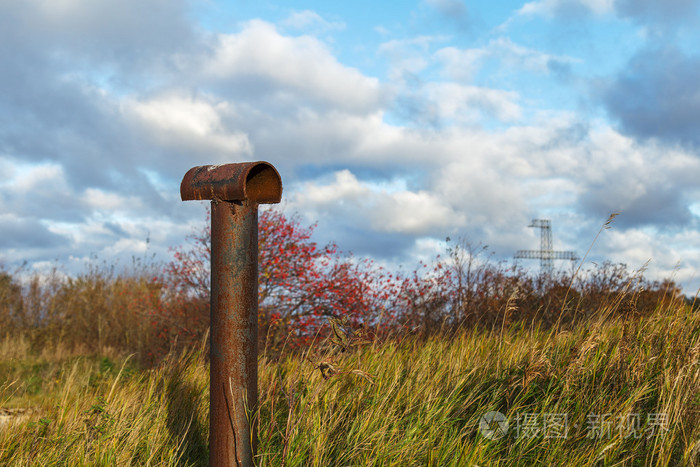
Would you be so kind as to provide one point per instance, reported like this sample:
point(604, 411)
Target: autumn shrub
point(96, 311)
point(300, 283)
point(11, 302)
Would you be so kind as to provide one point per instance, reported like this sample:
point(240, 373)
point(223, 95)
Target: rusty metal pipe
point(235, 191)
point(233, 386)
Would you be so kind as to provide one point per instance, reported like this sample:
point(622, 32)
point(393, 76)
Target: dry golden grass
point(420, 402)
point(94, 398)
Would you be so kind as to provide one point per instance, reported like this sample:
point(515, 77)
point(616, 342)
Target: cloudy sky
point(392, 124)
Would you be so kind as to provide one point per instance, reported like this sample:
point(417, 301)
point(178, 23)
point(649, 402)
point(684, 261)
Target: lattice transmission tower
point(545, 254)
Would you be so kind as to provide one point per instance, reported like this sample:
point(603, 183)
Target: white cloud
point(413, 213)
point(129, 34)
point(33, 179)
point(463, 64)
point(39, 191)
point(524, 57)
point(408, 55)
point(310, 20)
point(378, 207)
point(553, 7)
point(192, 122)
point(345, 186)
point(488, 185)
point(485, 197)
point(102, 200)
point(266, 64)
point(127, 246)
point(666, 254)
point(648, 183)
point(468, 104)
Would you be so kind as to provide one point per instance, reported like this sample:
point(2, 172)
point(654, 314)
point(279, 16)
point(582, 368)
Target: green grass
point(420, 405)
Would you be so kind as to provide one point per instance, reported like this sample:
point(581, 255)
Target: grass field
point(608, 391)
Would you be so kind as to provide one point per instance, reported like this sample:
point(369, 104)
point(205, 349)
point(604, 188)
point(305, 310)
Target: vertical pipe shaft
point(233, 387)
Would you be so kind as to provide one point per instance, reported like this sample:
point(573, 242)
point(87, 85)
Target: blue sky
point(393, 124)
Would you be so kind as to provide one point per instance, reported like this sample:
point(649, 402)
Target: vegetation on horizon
point(151, 310)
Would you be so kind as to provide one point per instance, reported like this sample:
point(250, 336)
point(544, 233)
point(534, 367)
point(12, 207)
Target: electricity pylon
point(545, 254)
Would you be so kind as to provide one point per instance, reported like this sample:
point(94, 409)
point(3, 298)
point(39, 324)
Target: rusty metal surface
point(257, 181)
point(233, 388)
point(235, 191)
